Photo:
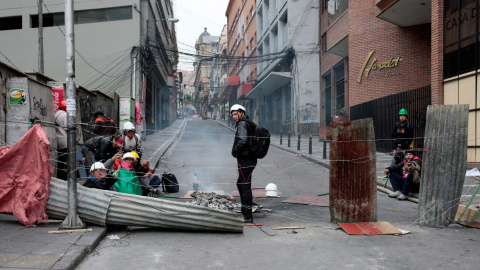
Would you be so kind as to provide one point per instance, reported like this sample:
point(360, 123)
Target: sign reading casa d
point(392, 63)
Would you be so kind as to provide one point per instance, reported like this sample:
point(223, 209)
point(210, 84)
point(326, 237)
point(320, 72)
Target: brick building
point(241, 51)
point(391, 51)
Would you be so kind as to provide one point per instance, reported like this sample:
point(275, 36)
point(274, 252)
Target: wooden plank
point(288, 228)
point(71, 231)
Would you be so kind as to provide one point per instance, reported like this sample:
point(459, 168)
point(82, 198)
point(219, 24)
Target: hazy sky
point(195, 15)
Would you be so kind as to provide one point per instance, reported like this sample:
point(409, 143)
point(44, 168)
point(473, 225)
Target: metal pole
point(40, 38)
point(281, 135)
point(310, 144)
point(289, 139)
point(298, 143)
point(72, 221)
point(325, 149)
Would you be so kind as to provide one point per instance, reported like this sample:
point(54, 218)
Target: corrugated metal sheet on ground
point(369, 228)
point(108, 207)
point(307, 200)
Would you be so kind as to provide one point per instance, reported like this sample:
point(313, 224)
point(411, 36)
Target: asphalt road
point(205, 148)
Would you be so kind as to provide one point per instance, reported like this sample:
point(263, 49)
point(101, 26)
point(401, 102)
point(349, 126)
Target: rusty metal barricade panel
point(444, 163)
point(353, 190)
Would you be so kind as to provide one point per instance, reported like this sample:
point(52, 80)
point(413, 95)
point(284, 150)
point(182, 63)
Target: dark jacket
point(104, 126)
point(243, 136)
point(402, 140)
point(400, 168)
point(100, 147)
point(107, 182)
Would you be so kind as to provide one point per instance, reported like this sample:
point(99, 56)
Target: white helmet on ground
point(97, 165)
point(271, 190)
point(128, 155)
point(128, 126)
point(237, 107)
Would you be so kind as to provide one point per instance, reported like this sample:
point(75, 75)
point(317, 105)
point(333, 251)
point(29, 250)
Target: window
point(335, 9)
point(85, 16)
point(339, 73)
point(324, 43)
point(461, 37)
point(327, 98)
point(251, 12)
point(10, 23)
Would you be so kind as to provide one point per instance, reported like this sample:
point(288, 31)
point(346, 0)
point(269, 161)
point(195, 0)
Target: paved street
point(204, 148)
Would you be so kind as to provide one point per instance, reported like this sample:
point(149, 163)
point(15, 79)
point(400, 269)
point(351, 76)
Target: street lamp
point(174, 20)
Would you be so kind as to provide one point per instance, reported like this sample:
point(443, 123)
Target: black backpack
point(260, 140)
point(169, 183)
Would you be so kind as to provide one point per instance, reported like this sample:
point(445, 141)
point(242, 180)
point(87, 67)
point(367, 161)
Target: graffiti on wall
point(39, 106)
point(309, 113)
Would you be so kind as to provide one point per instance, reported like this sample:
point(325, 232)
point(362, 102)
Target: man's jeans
point(405, 185)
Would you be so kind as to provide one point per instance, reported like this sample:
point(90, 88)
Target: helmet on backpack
point(403, 111)
point(237, 107)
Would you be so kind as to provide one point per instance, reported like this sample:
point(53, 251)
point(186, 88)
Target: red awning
point(226, 92)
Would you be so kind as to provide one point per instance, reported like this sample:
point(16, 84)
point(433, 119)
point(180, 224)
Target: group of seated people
point(122, 155)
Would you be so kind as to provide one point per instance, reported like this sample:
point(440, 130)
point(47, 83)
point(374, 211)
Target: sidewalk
point(35, 248)
point(318, 149)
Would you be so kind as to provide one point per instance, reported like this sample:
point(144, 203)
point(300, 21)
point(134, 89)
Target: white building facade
point(287, 89)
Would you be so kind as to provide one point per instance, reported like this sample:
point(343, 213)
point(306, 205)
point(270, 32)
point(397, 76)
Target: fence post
point(353, 199)
point(281, 135)
point(298, 143)
point(324, 149)
point(310, 144)
point(289, 139)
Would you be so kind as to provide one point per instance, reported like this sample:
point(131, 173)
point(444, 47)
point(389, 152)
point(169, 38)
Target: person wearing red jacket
point(405, 177)
point(104, 125)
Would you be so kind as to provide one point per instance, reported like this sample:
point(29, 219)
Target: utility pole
point(72, 221)
point(40, 38)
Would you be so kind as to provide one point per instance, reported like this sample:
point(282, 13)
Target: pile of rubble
point(212, 200)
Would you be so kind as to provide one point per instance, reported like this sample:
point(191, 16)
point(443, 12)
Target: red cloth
point(25, 177)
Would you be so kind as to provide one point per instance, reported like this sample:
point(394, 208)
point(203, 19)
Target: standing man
point(246, 160)
point(402, 132)
point(61, 125)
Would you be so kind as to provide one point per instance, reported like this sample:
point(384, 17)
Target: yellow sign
point(378, 66)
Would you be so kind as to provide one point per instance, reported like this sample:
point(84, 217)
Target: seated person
point(100, 149)
point(99, 178)
point(128, 181)
point(130, 141)
point(150, 182)
point(405, 177)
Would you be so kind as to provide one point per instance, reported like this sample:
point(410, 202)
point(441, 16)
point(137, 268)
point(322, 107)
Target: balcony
point(228, 87)
point(405, 13)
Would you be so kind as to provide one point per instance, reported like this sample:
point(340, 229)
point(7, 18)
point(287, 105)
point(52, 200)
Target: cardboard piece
point(370, 228)
point(467, 218)
point(187, 195)
point(258, 194)
point(308, 201)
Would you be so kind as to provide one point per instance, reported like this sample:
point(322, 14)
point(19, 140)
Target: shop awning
point(227, 90)
point(267, 86)
point(243, 90)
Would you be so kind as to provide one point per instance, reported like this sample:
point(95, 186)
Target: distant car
point(194, 115)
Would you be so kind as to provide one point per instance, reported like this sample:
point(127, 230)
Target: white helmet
point(128, 155)
point(271, 190)
point(128, 126)
point(97, 165)
point(237, 107)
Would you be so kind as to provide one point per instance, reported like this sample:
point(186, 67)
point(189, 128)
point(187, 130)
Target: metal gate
point(384, 112)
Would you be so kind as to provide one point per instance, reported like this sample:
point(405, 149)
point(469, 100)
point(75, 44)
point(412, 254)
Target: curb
point(80, 250)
